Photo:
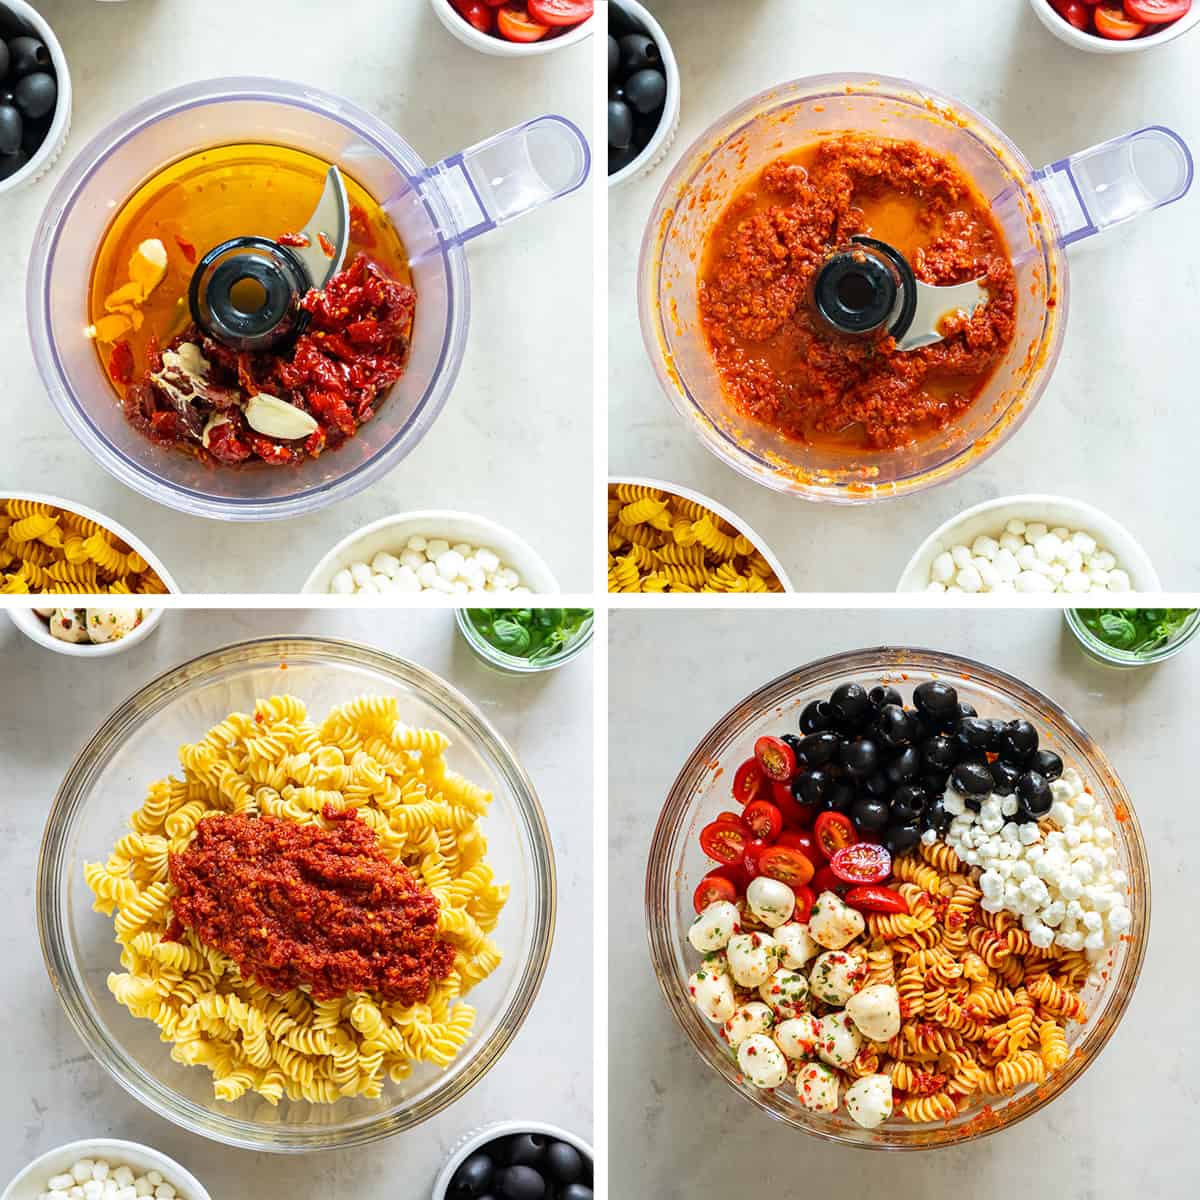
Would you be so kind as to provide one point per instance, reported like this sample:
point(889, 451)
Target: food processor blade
point(934, 305)
point(327, 232)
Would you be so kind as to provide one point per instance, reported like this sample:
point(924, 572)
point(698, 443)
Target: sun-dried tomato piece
point(186, 249)
point(120, 363)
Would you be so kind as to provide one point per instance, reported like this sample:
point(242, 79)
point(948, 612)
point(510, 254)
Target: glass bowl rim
point(52, 915)
point(511, 662)
point(661, 886)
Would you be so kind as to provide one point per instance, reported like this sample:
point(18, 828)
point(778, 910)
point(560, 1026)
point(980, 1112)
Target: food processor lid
point(246, 292)
point(869, 285)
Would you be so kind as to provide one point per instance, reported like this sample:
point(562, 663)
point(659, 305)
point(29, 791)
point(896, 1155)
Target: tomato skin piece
point(736, 873)
point(515, 24)
point(826, 881)
point(1112, 23)
point(749, 783)
point(711, 889)
point(864, 862)
point(561, 12)
point(763, 820)
point(1073, 12)
point(754, 851)
point(476, 13)
point(1157, 12)
point(832, 831)
point(873, 898)
point(776, 758)
point(723, 841)
point(792, 867)
point(805, 899)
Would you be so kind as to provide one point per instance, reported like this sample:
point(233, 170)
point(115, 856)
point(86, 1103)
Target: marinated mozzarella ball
point(752, 958)
point(796, 944)
point(430, 564)
point(712, 989)
point(771, 902)
point(69, 625)
point(838, 1042)
point(798, 1037)
point(817, 1087)
point(836, 976)
point(876, 1012)
point(754, 1017)
point(111, 624)
point(786, 992)
point(713, 928)
point(834, 924)
point(869, 1100)
point(762, 1062)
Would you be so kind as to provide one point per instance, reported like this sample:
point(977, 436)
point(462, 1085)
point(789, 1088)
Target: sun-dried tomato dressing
point(780, 365)
point(300, 905)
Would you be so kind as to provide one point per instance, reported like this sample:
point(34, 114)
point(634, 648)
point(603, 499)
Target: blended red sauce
point(781, 365)
point(297, 905)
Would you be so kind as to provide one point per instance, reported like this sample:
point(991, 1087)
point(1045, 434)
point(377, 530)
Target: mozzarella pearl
point(751, 1018)
point(713, 928)
point(752, 958)
point(712, 989)
point(798, 1037)
point(838, 1042)
point(835, 977)
point(771, 901)
point(834, 924)
point(786, 992)
point(430, 565)
point(817, 1087)
point(796, 944)
point(762, 1062)
point(869, 1100)
point(876, 1012)
point(69, 625)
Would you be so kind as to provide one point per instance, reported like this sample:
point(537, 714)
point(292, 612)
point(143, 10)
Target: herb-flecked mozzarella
point(834, 924)
point(836, 976)
point(869, 1100)
point(771, 902)
point(817, 1087)
point(797, 946)
point(762, 1062)
point(798, 1037)
point(786, 992)
point(838, 1042)
point(69, 625)
point(713, 928)
point(712, 989)
point(876, 1012)
point(752, 958)
point(751, 1018)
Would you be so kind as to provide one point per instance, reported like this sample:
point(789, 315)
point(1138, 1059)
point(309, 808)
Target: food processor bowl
point(435, 209)
point(1039, 213)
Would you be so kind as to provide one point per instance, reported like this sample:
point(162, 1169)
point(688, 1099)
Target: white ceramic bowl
point(31, 1182)
point(480, 1137)
point(724, 513)
point(500, 47)
point(990, 518)
point(391, 534)
point(1065, 32)
point(660, 144)
point(134, 543)
point(56, 137)
point(37, 630)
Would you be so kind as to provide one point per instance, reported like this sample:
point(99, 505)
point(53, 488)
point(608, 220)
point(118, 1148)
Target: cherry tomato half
point(476, 13)
point(711, 889)
point(517, 26)
point(736, 873)
point(561, 12)
point(826, 881)
point(802, 840)
point(1073, 12)
point(805, 899)
point(793, 812)
point(832, 831)
point(724, 841)
point(776, 757)
point(763, 820)
point(1157, 12)
point(755, 849)
point(872, 898)
point(749, 783)
point(788, 866)
point(863, 862)
point(1111, 22)
point(736, 818)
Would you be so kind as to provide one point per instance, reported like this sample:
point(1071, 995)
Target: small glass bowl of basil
point(524, 641)
point(1133, 637)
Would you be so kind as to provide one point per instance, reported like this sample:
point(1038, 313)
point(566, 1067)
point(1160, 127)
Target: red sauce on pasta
point(300, 905)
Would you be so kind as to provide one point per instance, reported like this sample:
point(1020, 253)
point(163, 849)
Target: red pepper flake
point(326, 245)
point(186, 249)
point(120, 363)
point(299, 240)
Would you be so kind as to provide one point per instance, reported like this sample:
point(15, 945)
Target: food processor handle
point(1116, 181)
point(511, 174)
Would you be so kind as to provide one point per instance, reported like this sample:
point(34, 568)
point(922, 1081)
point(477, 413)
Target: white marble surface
point(1117, 424)
point(55, 1092)
point(517, 426)
point(1126, 1128)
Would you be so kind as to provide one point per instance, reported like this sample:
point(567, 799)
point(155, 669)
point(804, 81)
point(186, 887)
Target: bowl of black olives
point(518, 1160)
point(35, 95)
point(643, 92)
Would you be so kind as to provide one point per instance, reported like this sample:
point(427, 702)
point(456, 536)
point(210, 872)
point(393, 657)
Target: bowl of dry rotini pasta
point(984, 1028)
point(251, 1010)
point(53, 546)
point(666, 538)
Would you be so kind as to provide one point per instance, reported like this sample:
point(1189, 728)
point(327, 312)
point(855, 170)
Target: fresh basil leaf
point(1118, 629)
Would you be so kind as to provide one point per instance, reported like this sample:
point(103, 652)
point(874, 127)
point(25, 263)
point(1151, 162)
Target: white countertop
point(1126, 1128)
point(518, 425)
point(55, 1092)
point(1117, 424)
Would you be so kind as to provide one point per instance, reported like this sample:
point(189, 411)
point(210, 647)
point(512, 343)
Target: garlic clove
point(275, 418)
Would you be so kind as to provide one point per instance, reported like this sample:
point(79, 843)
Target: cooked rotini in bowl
point(934, 987)
point(296, 894)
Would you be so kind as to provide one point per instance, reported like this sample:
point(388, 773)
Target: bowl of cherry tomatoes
point(1117, 26)
point(517, 28)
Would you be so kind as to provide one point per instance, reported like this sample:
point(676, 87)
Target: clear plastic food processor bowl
point(436, 210)
point(1040, 212)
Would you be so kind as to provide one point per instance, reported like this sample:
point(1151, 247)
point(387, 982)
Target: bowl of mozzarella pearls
point(104, 1169)
point(86, 632)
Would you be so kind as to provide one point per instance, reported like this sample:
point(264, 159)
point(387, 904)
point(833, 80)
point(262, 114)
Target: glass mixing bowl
point(138, 744)
point(1040, 213)
point(676, 865)
point(436, 210)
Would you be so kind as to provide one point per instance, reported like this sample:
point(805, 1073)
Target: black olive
point(1018, 742)
point(564, 1163)
point(474, 1176)
point(618, 160)
point(903, 836)
point(869, 815)
point(878, 785)
point(5, 59)
point(935, 782)
point(521, 1183)
point(576, 1191)
point(1004, 777)
point(811, 787)
point(619, 21)
point(36, 95)
point(1034, 797)
point(974, 803)
point(10, 164)
point(11, 127)
point(939, 751)
point(791, 740)
point(614, 56)
point(840, 797)
point(646, 90)
point(860, 758)
point(935, 815)
point(638, 51)
point(966, 710)
point(894, 727)
point(815, 717)
point(936, 698)
point(1046, 763)
point(620, 125)
point(26, 55)
point(908, 800)
point(971, 779)
point(905, 766)
point(879, 696)
point(818, 748)
point(974, 733)
point(849, 704)
point(527, 1149)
